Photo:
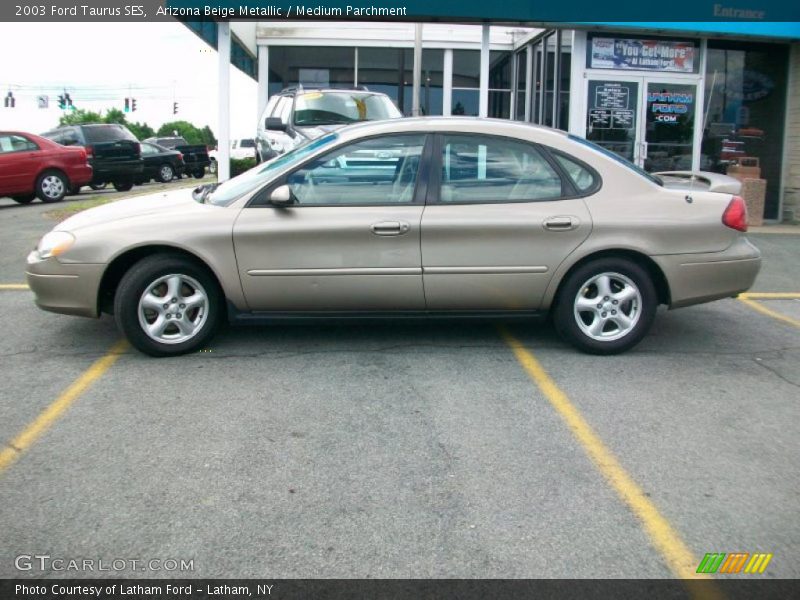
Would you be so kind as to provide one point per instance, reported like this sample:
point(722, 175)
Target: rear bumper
point(109, 171)
point(66, 289)
point(698, 278)
point(82, 175)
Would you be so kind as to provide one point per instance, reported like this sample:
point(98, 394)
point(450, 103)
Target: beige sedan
point(406, 218)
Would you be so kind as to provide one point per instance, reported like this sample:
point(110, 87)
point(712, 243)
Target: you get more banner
point(642, 55)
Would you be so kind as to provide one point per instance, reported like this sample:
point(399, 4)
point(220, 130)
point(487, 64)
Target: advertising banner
point(642, 55)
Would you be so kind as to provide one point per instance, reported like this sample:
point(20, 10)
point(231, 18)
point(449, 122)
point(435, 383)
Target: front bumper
point(698, 278)
point(70, 289)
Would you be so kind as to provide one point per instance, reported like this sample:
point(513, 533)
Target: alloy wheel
point(608, 306)
point(53, 186)
point(173, 309)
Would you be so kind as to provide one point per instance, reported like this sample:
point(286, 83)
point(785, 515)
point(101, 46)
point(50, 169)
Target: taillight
point(735, 215)
point(138, 148)
point(89, 152)
point(180, 156)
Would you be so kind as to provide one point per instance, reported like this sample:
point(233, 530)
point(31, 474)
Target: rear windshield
point(107, 133)
point(617, 157)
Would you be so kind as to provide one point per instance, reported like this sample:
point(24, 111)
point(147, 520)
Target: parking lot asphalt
point(400, 449)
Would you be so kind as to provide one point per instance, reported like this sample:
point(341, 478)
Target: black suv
point(296, 115)
point(112, 150)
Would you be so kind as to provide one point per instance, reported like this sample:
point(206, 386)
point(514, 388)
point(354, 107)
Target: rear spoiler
point(713, 182)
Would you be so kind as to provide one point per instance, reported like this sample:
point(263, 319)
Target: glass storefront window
point(522, 73)
point(390, 70)
point(291, 66)
point(745, 104)
point(564, 67)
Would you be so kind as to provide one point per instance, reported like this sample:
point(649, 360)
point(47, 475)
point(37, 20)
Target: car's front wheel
point(166, 173)
point(606, 306)
point(123, 186)
point(167, 305)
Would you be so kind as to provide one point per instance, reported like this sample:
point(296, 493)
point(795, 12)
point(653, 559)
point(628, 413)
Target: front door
point(648, 120)
point(351, 239)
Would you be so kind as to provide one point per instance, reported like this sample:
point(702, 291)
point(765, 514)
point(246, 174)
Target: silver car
point(449, 216)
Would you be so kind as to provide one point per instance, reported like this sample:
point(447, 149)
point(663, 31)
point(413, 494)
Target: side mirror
point(274, 124)
point(281, 196)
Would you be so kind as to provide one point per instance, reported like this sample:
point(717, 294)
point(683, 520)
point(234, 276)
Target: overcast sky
point(96, 62)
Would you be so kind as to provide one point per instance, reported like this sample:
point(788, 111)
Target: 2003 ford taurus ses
point(412, 217)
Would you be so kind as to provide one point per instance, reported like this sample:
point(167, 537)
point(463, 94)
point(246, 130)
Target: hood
point(138, 206)
point(704, 181)
point(315, 131)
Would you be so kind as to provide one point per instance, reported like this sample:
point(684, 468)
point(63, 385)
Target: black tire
point(75, 190)
point(52, 186)
point(642, 308)
point(165, 173)
point(199, 173)
point(123, 186)
point(98, 186)
point(132, 287)
point(27, 199)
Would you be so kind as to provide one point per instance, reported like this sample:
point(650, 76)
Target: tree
point(189, 132)
point(142, 131)
point(80, 117)
point(115, 115)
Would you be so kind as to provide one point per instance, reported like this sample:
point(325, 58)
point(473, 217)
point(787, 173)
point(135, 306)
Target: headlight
point(55, 243)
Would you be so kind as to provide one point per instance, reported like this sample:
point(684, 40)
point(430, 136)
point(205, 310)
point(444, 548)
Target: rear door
point(502, 214)
point(350, 241)
point(20, 162)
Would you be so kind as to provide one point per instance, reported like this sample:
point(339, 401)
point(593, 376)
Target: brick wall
point(791, 190)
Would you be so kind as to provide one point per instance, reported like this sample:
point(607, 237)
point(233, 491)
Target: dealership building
point(717, 96)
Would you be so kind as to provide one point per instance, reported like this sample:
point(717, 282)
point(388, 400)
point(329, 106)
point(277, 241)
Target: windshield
point(253, 179)
point(618, 158)
point(335, 108)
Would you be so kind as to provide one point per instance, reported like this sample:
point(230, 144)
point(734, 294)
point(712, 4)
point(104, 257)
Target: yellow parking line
point(14, 286)
point(49, 415)
point(771, 295)
point(766, 311)
point(665, 539)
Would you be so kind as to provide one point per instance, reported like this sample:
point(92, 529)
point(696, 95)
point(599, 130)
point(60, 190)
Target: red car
point(32, 166)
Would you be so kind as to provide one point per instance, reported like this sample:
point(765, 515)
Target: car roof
point(326, 90)
point(476, 125)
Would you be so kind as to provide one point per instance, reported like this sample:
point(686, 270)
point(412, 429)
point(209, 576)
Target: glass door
point(612, 115)
point(669, 134)
point(648, 120)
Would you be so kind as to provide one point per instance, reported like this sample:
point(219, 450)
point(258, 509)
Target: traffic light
point(68, 101)
point(133, 104)
point(62, 102)
point(174, 108)
point(127, 105)
point(9, 101)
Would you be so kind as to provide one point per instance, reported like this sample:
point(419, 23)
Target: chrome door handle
point(390, 228)
point(560, 224)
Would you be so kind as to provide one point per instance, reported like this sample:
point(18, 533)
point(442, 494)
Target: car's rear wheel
point(199, 173)
point(123, 186)
point(52, 186)
point(606, 306)
point(167, 305)
point(26, 199)
point(75, 190)
point(98, 186)
point(166, 173)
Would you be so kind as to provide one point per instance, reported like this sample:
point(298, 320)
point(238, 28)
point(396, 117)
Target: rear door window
point(487, 169)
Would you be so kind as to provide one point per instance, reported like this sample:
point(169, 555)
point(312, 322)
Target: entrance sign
point(642, 55)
